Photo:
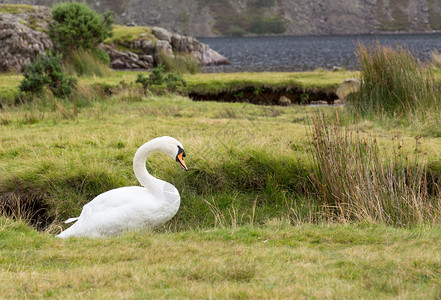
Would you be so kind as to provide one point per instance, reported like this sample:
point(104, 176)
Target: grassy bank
point(255, 262)
point(324, 81)
point(247, 163)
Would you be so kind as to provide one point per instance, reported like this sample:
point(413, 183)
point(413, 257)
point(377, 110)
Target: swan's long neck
point(145, 179)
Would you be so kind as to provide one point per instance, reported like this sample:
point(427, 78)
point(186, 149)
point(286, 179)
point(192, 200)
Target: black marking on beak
point(180, 158)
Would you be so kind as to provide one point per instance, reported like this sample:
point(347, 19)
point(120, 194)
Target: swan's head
point(174, 149)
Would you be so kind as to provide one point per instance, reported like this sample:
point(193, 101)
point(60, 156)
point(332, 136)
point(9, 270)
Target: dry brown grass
point(357, 180)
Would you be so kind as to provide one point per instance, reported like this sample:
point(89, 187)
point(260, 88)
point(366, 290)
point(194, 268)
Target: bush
point(173, 82)
point(76, 26)
point(267, 26)
point(394, 83)
point(46, 72)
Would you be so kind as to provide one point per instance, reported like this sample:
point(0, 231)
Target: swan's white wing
point(119, 197)
point(122, 209)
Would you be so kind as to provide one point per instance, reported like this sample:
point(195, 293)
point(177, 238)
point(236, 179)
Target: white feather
point(133, 207)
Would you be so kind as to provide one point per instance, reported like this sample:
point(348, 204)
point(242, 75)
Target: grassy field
point(250, 225)
point(274, 261)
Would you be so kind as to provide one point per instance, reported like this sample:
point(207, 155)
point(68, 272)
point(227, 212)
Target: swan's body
point(133, 207)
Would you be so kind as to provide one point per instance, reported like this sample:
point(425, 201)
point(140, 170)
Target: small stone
point(284, 101)
point(319, 102)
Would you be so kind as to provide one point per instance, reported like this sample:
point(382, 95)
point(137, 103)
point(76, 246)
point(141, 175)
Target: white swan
point(132, 207)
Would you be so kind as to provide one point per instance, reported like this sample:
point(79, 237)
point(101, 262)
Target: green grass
point(180, 64)
point(124, 35)
point(250, 223)
point(397, 89)
point(85, 63)
point(210, 83)
point(16, 8)
point(358, 180)
point(248, 162)
point(255, 262)
point(219, 82)
point(395, 84)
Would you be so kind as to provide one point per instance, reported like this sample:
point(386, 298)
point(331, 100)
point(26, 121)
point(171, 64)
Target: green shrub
point(236, 31)
point(174, 83)
point(101, 56)
point(394, 84)
point(76, 26)
point(267, 25)
point(46, 72)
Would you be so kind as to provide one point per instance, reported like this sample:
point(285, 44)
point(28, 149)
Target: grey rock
point(19, 43)
point(163, 46)
point(137, 44)
point(319, 102)
point(118, 64)
point(348, 87)
point(147, 59)
point(127, 59)
point(284, 101)
point(318, 17)
point(161, 34)
point(148, 47)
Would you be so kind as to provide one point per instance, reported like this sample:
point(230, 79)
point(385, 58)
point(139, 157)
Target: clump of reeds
point(356, 180)
point(394, 83)
point(86, 63)
point(180, 63)
point(435, 58)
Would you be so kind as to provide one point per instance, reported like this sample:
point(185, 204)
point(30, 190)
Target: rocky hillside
point(288, 17)
point(23, 35)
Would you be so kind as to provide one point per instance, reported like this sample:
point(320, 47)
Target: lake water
point(303, 53)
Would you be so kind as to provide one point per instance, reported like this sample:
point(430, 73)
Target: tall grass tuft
point(87, 63)
point(180, 63)
point(435, 58)
point(356, 181)
point(394, 84)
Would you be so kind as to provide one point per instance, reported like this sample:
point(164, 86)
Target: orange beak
point(180, 159)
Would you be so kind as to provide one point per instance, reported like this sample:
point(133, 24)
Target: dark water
point(295, 53)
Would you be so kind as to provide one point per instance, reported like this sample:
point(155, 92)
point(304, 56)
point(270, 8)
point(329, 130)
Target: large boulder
point(22, 37)
point(173, 43)
point(161, 34)
point(163, 46)
point(202, 52)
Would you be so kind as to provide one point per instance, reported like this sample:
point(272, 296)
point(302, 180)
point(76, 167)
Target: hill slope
point(287, 17)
